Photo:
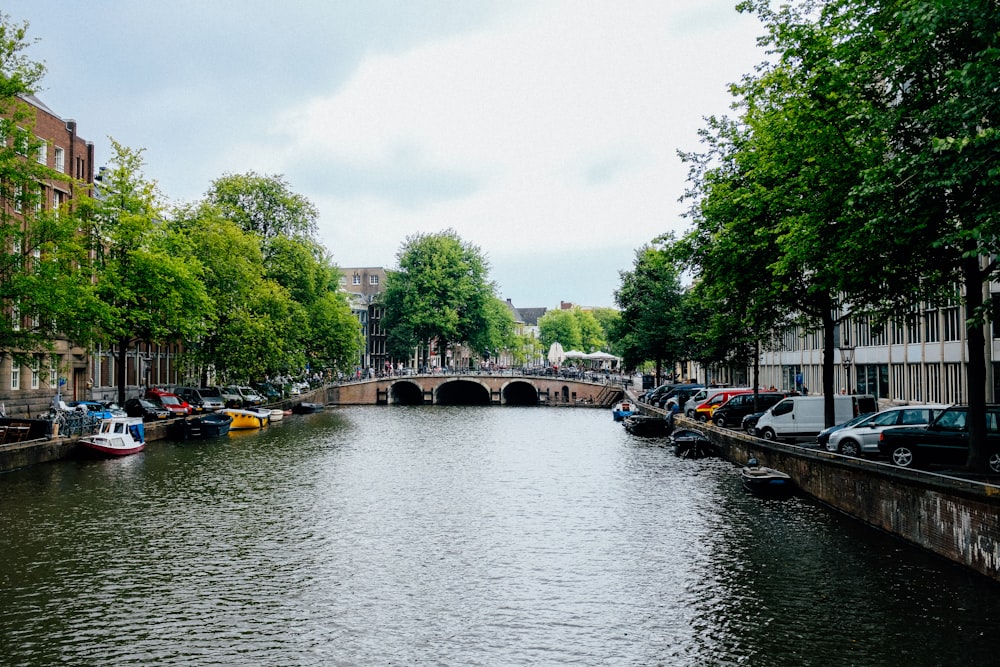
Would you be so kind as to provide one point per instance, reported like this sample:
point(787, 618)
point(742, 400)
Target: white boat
point(246, 419)
point(117, 436)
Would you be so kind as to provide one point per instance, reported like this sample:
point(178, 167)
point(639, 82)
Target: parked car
point(271, 393)
point(689, 407)
point(861, 438)
point(824, 435)
point(95, 409)
point(176, 405)
point(205, 399)
point(249, 396)
point(149, 411)
point(704, 411)
point(945, 440)
point(680, 395)
point(732, 412)
point(231, 398)
point(749, 423)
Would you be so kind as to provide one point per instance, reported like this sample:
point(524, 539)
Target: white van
point(799, 418)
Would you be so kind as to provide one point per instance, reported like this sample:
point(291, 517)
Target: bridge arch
point(406, 392)
point(519, 392)
point(462, 392)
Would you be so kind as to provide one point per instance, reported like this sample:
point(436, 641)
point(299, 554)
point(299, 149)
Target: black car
point(749, 422)
point(944, 441)
point(149, 411)
point(732, 412)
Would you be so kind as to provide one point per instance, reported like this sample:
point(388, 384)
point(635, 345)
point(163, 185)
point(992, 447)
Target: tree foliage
point(440, 292)
point(264, 205)
point(149, 293)
point(860, 175)
point(45, 278)
point(651, 327)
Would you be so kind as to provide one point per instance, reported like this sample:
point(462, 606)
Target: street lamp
point(846, 357)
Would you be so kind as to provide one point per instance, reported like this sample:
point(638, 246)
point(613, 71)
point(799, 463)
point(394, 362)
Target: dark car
point(732, 412)
point(679, 394)
point(149, 411)
point(749, 422)
point(944, 441)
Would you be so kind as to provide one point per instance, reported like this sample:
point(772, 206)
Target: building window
point(57, 202)
point(15, 318)
point(15, 376)
point(43, 151)
point(373, 279)
point(60, 159)
point(357, 279)
point(952, 323)
point(53, 371)
point(931, 330)
point(36, 373)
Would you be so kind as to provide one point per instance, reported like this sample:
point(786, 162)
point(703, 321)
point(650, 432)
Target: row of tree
point(239, 277)
point(860, 175)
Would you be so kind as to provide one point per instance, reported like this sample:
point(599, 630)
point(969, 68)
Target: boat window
point(119, 428)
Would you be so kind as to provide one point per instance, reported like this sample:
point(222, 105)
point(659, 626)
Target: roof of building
point(530, 316)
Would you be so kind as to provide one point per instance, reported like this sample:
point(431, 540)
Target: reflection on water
point(457, 536)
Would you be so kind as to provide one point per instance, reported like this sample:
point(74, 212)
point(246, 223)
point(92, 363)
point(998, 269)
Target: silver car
point(861, 439)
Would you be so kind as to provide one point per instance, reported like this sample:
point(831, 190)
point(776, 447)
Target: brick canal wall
point(958, 519)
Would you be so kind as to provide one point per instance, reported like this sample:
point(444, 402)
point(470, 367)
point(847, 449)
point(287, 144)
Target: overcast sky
point(546, 133)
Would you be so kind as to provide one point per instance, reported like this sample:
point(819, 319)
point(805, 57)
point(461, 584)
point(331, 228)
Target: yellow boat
point(246, 419)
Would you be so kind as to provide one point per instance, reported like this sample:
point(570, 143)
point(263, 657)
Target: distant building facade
point(363, 285)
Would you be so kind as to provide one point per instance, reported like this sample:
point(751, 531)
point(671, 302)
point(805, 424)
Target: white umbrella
point(556, 354)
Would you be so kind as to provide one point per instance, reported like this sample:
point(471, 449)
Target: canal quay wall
point(952, 517)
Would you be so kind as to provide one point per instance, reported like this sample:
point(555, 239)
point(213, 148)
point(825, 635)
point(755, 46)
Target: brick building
point(28, 390)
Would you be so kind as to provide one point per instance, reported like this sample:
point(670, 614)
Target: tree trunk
point(976, 369)
point(829, 412)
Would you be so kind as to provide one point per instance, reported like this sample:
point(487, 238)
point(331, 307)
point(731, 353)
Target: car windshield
point(952, 420)
point(169, 400)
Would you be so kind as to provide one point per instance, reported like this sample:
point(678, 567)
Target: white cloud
point(537, 130)
point(556, 128)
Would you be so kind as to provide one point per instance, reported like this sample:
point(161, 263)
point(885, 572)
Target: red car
point(176, 405)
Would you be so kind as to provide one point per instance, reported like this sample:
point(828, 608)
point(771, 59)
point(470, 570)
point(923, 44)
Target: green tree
point(439, 293)
point(560, 326)
point(264, 205)
point(650, 297)
point(149, 294)
point(45, 279)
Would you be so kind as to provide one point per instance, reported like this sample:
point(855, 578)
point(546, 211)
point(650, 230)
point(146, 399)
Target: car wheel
point(689, 414)
point(903, 456)
point(769, 434)
point(703, 418)
point(850, 448)
point(719, 421)
point(994, 462)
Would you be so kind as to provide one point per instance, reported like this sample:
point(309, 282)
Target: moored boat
point(117, 436)
point(277, 415)
point(622, 410)
point(307, 408)
point(246, 419)
point(646, 425)
point(209, 425)
point(766, 482)
point(689, 444)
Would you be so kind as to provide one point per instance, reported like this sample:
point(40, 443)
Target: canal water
point(457, 536)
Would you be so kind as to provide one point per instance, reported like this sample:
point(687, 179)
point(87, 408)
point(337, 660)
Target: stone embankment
point(949, 515)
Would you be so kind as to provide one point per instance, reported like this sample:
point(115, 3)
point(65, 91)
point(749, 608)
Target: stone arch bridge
point(474, 389)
